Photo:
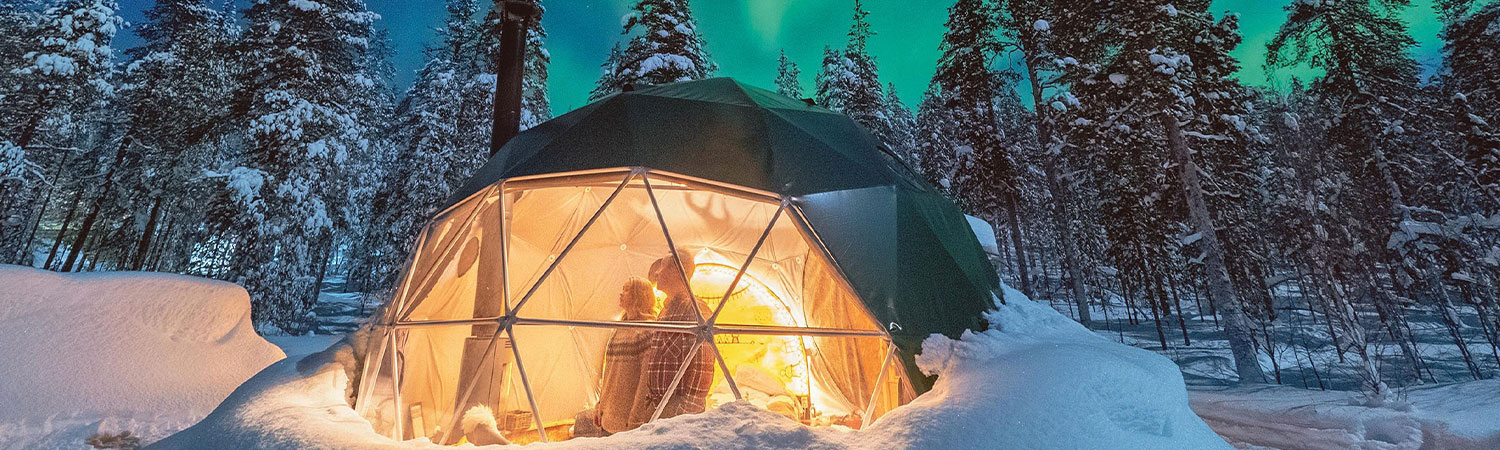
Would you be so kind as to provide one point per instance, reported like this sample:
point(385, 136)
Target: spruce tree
point(969, 87)
point(441, 134)
point(664, 47)
point(181, 67)
point(902, 137)
point(64, 73)
point(609, 78)
point(299, 97)
point(829, 87)
point(18, 24)
point(787, 75)
point(934, 138)
point(864, 98)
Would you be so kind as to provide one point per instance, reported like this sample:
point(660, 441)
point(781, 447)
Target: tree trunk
point(1220, 289)
point(1072, 258)
point(88, 221)
point(1017, 243)
point(63, 231)
point(1177, 302)
point(145, 244)
point(41, 213)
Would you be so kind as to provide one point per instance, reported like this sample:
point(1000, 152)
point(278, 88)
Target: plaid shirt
point(668, 351)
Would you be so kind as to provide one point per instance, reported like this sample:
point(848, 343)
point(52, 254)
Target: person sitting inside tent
point(622, 405)
point(669, 350)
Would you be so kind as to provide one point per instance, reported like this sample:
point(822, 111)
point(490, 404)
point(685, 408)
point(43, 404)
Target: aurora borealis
point(746, 36)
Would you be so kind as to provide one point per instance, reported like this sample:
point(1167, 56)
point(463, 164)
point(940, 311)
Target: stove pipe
point(510, 67)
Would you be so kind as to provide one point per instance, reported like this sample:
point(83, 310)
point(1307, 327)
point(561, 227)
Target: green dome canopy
point(908, 251)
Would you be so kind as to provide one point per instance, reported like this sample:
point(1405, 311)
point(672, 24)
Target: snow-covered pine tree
point(535, 107)
point(828, 89)
point(985, 174)
point(442, 134)
point(429, 140)
point(902, 138)
point(304, 69)
point(18, 22)
point(934, 138)
point(1369, 79)
point(181, 67)
point(1212, 119)
point(858, 81)
point(1471, 46)
point(373, 164)
point(664, 47)
point(1026, 26)
point(609, 76)
point(1131, 100)
point(65, 70)
point(787, 75)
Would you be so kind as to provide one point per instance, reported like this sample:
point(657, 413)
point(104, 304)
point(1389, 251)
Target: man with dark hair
point(669, 350)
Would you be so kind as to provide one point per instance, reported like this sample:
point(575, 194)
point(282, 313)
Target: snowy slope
point(144, 352)
point(1038, 380)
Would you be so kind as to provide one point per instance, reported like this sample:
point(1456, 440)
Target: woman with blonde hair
point(624, 359)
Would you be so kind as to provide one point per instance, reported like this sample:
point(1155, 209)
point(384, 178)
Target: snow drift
point(124, 351)
point(1037, 380)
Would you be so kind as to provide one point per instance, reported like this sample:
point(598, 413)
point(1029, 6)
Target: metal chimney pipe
point(510, 68)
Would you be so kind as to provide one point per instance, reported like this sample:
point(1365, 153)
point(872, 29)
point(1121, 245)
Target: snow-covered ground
point(1434, 416)
point(1314, 406)
point(153, 353)
point(112, 352)
point(1037, 380)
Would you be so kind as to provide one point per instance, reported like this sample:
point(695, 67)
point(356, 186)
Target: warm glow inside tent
point(514, 291)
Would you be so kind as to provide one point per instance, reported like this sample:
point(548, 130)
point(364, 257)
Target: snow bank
point(141, 352)
point(1037, 380)
point(1437, 416)
point(1040, 380)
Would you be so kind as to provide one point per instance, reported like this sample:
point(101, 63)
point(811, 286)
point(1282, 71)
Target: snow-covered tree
point(970, 88)
point(299, 95)
point(829, 87)
point(609, 78)
point(1369, 79)
point(183, 66)
point(64, 71)
point(18, 21)
point(851, 84)
point(787, 75)
point(1471, 46)
point(1048, 50)
point(903, 134)
point(442, 135)
point(664, 47)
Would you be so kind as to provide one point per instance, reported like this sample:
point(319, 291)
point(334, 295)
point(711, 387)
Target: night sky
point(745, 36)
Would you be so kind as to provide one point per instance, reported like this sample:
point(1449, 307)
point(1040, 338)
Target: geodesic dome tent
point(820, 261)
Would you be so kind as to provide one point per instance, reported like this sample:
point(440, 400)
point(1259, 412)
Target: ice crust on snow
point(1035, 380)
point(144, 352)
